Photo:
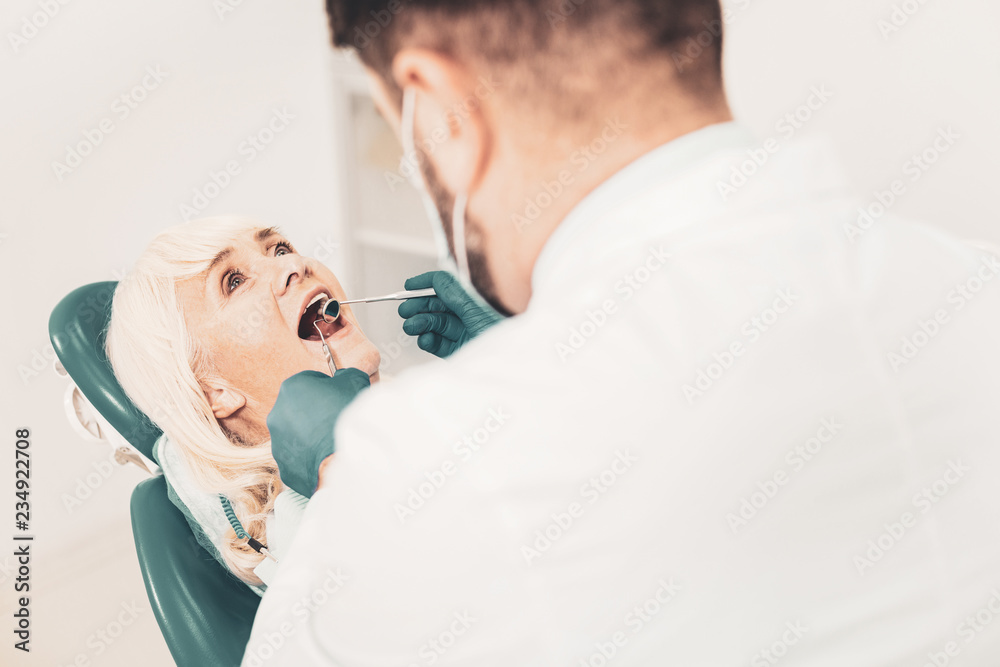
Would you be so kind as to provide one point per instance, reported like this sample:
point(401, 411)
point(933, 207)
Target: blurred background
point(120, 116)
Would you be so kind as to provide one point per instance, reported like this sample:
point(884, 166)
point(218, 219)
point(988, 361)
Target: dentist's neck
point(558, 175)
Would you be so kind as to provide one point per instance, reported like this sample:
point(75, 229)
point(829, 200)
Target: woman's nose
point(292, 269)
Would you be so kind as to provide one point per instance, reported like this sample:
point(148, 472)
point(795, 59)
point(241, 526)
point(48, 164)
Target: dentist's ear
point(223, 399)
point(452, 122)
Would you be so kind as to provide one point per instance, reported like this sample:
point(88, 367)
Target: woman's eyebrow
point(218, 259)
point(263, 235)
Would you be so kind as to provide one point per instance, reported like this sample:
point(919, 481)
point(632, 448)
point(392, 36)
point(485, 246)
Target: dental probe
point(326, 349)
point(330, 309)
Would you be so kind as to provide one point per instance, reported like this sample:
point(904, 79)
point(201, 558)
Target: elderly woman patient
point(214, 315)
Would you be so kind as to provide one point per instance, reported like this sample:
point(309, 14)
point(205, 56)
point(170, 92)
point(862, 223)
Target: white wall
point(890, 94)
point(226, 75)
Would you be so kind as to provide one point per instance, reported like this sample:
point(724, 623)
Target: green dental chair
point(204, 612)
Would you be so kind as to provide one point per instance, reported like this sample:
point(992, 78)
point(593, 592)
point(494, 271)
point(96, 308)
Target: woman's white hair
point(161, 368)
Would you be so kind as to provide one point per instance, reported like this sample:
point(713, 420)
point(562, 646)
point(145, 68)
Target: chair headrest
point(77, 328)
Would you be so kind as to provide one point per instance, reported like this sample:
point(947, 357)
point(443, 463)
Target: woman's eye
point(234, 280)
point(282, 249)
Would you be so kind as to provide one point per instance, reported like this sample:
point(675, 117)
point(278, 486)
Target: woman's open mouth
point(311, 322)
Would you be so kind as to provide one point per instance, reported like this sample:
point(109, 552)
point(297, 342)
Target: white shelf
point(384, 231)
point(409, 245)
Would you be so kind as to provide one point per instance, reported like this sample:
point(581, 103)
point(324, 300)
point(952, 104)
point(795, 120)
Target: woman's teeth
point(330, 328)
point(307, 330)
point(312, 321)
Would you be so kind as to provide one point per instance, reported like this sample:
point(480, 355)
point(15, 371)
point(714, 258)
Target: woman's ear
point(222, 398)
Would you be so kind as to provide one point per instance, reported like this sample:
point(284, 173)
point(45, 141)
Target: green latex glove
point(445, 322)
point(302, 420)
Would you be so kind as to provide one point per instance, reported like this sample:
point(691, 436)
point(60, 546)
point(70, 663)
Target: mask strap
point(458, 232)
point(408, 120)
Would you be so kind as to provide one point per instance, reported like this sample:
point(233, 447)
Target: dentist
point(689, 442)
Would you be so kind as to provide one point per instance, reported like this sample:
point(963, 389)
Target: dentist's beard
point(479, 273)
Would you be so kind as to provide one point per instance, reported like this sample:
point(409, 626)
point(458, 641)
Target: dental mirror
point(330, 310)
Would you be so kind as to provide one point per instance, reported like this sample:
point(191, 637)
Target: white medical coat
point(743, 426)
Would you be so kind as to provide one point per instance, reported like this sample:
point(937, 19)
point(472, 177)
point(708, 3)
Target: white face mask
point(410, 163)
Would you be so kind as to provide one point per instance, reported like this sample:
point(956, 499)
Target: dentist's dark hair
point(547, 43)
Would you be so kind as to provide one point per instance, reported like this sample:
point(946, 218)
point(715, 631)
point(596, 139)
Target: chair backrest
point(204, 612)
point(77, 327)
